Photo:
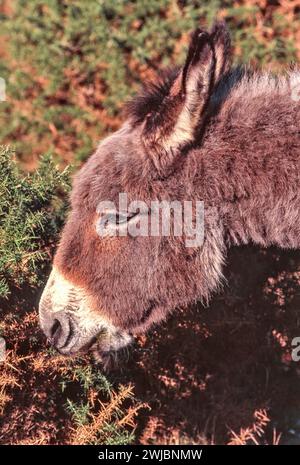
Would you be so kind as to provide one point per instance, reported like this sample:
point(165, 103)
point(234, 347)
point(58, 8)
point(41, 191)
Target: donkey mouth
point(69, 337)
point(71, 324)
point(76, 348)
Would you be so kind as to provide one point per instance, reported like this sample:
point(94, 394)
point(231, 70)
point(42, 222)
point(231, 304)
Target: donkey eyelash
point(124, 217)
point(117, 218)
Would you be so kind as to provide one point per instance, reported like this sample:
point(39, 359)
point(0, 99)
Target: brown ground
point(220, 374)
point(220, 369)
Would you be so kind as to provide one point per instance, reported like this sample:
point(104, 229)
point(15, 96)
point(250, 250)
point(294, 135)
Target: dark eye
point(112, 222)
point(123, 217)
point(117, 218)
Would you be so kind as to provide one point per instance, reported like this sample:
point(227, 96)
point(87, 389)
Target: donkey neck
point(250, 171)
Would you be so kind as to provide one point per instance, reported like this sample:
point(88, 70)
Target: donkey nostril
point(55, 327)
point(62, 331)
point(56, 331)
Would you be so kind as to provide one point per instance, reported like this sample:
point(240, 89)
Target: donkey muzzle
point(71, 325)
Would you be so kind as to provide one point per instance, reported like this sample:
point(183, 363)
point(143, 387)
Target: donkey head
point(109, 281)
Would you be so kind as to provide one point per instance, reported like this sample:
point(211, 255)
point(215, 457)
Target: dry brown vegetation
point(224, 374)
point(217, 375)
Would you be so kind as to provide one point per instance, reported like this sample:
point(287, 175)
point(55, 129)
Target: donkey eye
point(117, 218)
point(122, 218)
point(112, 222)
point(109, 218)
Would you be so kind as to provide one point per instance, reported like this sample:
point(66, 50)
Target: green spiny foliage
point(69, 66)
point(31, 214)
point(101, 414)
point(79, 412)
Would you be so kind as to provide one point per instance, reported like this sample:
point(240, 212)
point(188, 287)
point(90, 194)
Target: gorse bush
point(69, 66)
point(110, 420)
point(31, 214)
point(32, 210)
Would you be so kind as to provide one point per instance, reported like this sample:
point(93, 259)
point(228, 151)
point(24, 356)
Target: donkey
point(207, 131)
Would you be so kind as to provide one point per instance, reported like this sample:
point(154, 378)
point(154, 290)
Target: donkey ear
point(174, 123)
point(221, 40)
